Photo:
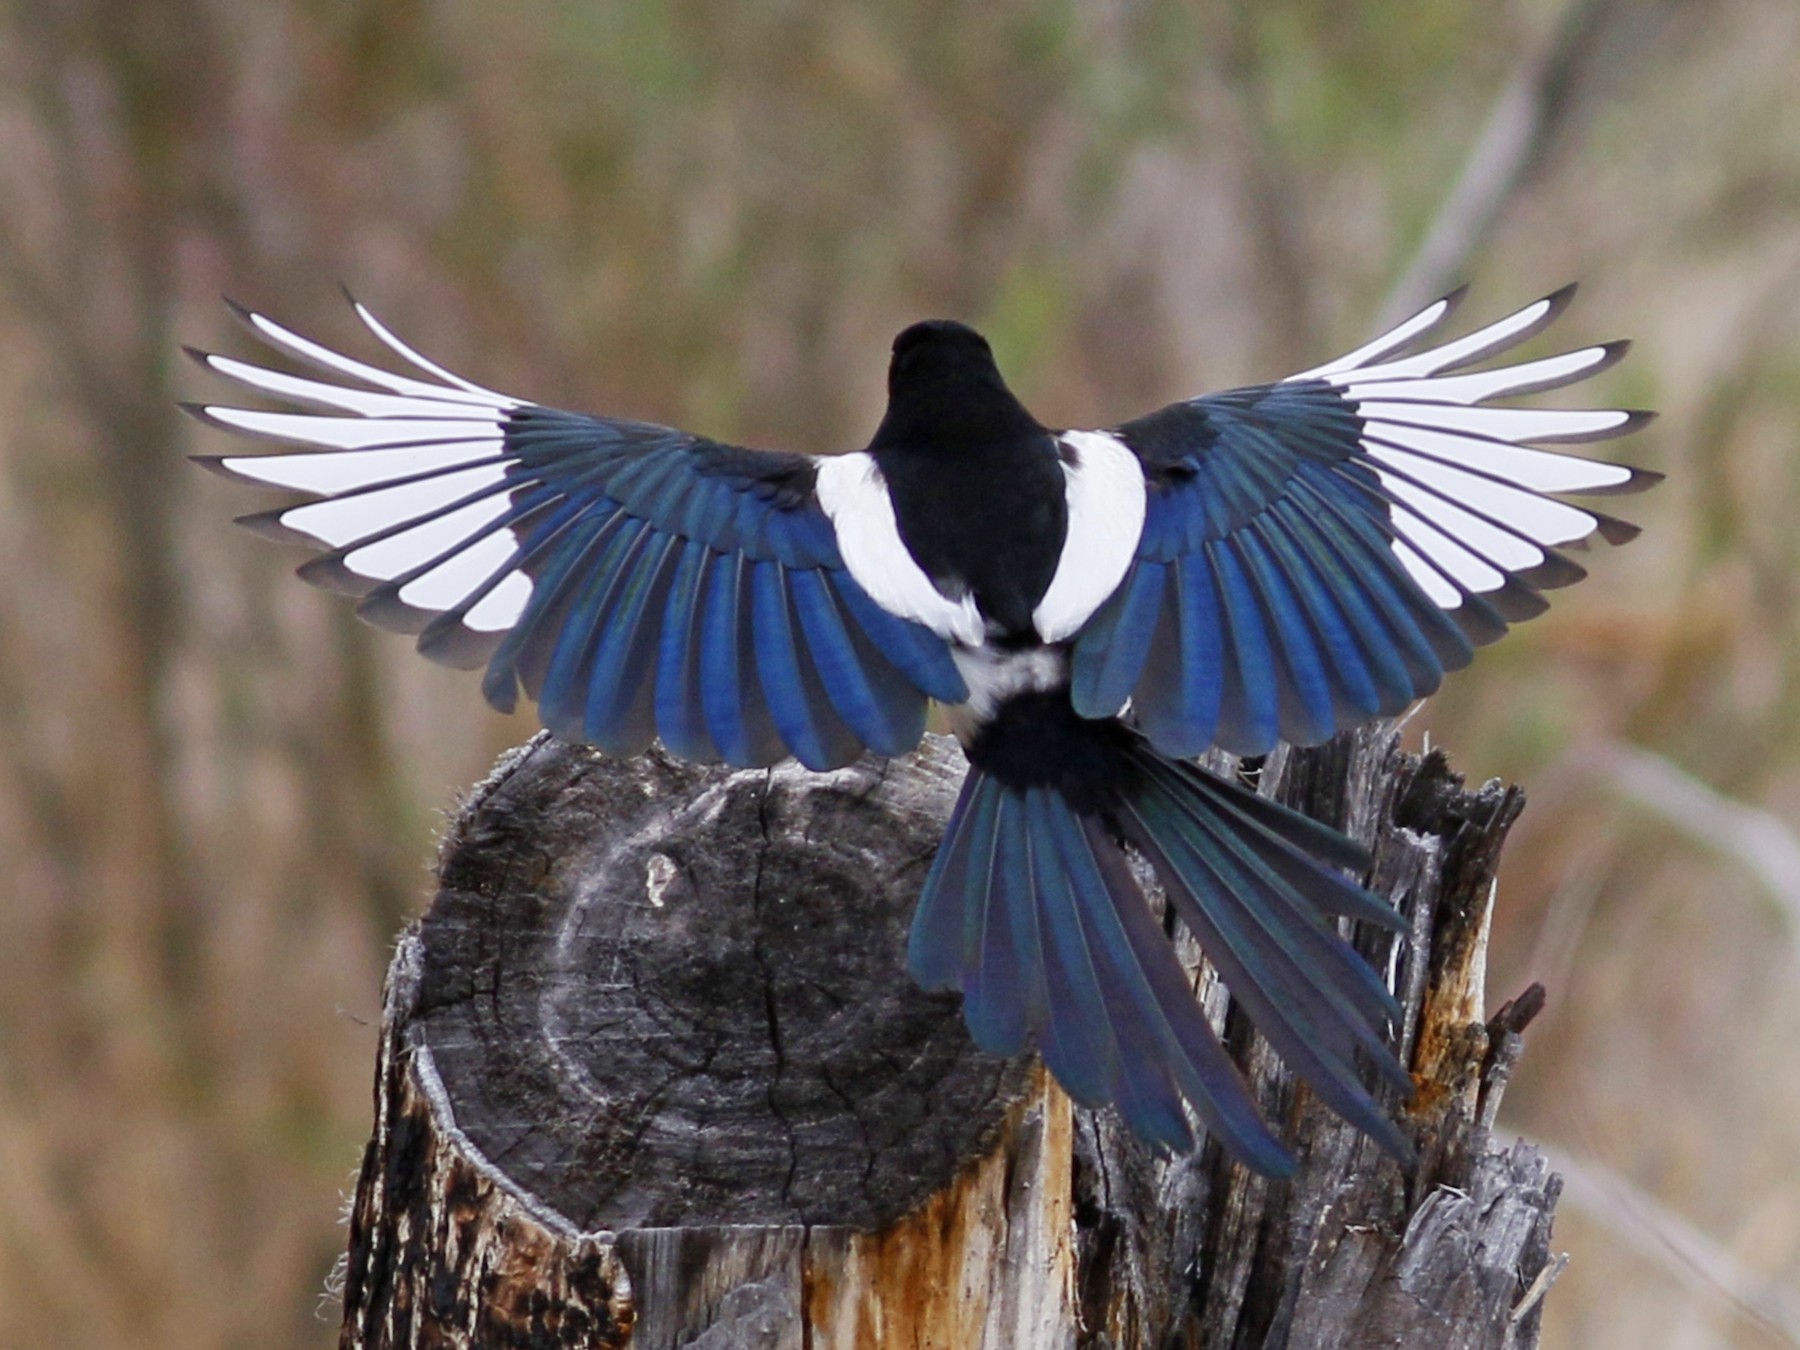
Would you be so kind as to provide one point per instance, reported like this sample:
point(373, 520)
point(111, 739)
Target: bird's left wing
point(635, 580)
point(1319, 551)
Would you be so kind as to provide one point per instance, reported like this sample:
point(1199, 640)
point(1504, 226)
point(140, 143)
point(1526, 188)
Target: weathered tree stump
point(652, 1073)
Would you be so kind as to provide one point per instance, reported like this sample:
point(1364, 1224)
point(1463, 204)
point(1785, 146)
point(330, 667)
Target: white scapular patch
point(855, 499)
point(1105, 493)
point(1464, 480)
point(412, 475)
point(994, 675)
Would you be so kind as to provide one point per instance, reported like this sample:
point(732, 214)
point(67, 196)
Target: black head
point(944, 389)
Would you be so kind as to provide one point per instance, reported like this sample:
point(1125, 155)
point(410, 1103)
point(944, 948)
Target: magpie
point(1094, 608)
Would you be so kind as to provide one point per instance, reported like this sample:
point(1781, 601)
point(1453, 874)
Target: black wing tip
point(241, 312)
point(382, 606)
point(328, 573)
point(1611, 353)
point(448, 641)
point(1615, 531)
point(1560, 299)
point(1451, 300)
point(1556, 571)
point(268, 524)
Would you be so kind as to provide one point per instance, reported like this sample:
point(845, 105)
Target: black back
point(975, 479)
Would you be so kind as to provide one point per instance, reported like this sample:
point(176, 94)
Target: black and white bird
point(1095, 608)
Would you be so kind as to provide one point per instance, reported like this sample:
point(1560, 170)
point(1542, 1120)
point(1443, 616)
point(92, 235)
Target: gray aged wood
point(653, 1073)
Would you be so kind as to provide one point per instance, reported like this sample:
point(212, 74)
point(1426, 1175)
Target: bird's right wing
point(635, 580)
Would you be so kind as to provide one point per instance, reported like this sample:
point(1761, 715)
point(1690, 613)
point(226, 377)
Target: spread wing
point(1320, 551)
point(634, 580)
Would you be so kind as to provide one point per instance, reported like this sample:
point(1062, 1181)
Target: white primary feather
point(1465, 480)
point(358, 433)
point(501, 607)
point(1501, 424)
point(291, 342)
point(338, 521)
point(299, 389)
point(463, 573)
point(327, 475)
point(1391, 340)
point(1482, 384)
point(1539, 470)
point(413, 482)
point(408, 550)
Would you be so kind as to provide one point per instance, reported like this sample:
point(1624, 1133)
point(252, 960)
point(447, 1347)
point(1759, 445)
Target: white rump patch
point(854, 497)
point(1105, 494)
point(993, 675)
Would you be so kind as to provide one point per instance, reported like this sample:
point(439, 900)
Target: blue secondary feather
point(797, 701)
point(680, 713)
point(1116, 643)
point(880, 705)
point(621, 704)
point(1302, 683)
point(1179, 698)
point(736, 716)
point(1248, 710)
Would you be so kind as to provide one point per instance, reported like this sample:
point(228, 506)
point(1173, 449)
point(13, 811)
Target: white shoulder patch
point(855, 499)
point(1106, 519)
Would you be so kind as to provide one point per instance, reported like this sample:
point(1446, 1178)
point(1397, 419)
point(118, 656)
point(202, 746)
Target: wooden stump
point(652, 1073)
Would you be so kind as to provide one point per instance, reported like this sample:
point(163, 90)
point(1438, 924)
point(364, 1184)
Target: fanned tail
point(1031, 909)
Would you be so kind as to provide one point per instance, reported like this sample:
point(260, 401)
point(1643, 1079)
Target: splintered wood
point(653, 1074)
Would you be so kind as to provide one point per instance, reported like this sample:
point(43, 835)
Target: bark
point(652, 1073)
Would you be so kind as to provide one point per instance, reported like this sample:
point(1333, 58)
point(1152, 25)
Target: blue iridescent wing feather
point(1321, 551)
point(634, 580)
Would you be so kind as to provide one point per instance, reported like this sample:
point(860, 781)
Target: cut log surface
point(653, 1074)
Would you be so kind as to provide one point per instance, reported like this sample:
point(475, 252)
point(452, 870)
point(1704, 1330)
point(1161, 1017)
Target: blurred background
point(219, 792)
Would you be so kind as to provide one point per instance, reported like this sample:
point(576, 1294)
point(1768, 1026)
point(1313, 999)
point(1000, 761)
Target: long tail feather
point(1033, 910)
